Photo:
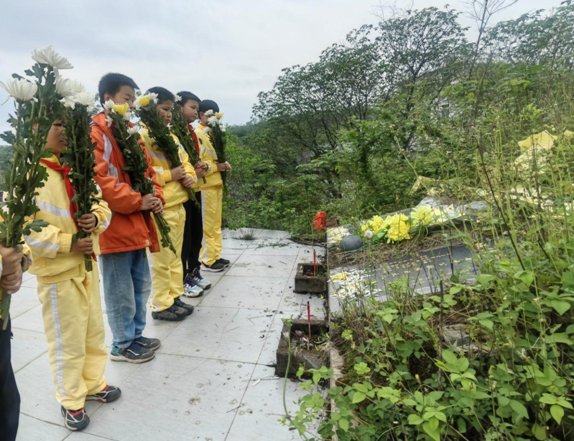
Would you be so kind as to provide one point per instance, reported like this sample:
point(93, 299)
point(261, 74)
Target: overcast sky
point(226, 50)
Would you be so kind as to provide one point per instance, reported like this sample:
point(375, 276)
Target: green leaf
point(344, 424)
point(558, 337)
point(431, 428)
point(557, 413)
point(415, 420)
point(560, 306)
point(358, 397)
point(539, 432)
point(362, 368)
point(548, 399)
point(519, 409)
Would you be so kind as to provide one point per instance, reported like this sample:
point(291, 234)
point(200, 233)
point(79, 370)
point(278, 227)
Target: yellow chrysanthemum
point(121, 109)
point(144, 100)
point(398, 231)
point(423, 216)
point(376, 224)
point(395, 218)
point(218, 115)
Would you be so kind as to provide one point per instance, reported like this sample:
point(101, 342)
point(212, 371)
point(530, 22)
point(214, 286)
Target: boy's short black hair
point(186, 96)
point(162, 94)
point(206, 105)
point(111, 83)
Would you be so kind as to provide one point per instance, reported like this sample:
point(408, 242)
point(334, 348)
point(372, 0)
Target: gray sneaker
point(152, 344)
point(135, 353)
point(192, 290)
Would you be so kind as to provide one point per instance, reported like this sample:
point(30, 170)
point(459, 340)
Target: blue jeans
point(127, 286)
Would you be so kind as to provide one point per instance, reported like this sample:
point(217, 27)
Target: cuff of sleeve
point(65, 242)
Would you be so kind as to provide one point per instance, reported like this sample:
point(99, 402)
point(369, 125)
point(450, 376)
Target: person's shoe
point(192, 291)
point(171, 314)
point(75, 419)
point(224, 262)
point(152, 344)
point(181, 304)
point(106, 395)
point(135, 353)
point(216, 267)
point(196, 279)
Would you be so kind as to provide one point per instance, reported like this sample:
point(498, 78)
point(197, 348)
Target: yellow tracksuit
point(211, 200)
point(167, 268)
point(70, 296)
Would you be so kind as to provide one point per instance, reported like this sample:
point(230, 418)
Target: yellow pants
point(74, 327)
point(167, 269)
point(211, 204)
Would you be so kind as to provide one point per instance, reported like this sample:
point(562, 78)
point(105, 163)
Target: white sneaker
point(192, 291)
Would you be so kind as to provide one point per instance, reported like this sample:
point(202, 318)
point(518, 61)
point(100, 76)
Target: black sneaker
point(225, 262)
point(152, 344)
point(75, 419)
point(216, 267)
point(135, 353)
point(181, 304)
point(106, 395)
point(172, 314)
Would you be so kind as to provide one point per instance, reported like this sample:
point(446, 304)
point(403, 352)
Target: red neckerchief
point(194, 138)
point(64, 170)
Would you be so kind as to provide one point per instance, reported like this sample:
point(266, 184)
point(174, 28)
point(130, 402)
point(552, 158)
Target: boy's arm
point(119, 195)
point(103, 214)
point(204, 147)
point(49, 242)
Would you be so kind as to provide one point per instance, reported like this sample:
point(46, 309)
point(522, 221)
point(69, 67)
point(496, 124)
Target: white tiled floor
point(211, 379)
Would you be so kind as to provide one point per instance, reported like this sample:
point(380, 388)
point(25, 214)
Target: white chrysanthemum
point(83, 99)
point(127, 116)
point(212, 120)
point(67, 87)
point(109, 105)
point(51, 57)
point(368, 234)
point(209, 113)
point(134, 130)
point(177, 98)
point(21, 89)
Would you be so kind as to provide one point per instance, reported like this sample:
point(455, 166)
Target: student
point(211, 193)
point(125, 269)
point(10, 281)
point(167, 268)
point(70, 295)
point(194, 284)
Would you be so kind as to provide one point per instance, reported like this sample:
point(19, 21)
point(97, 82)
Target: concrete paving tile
point(268, 356)
point(262, 409)
point(32, 429)
point(175, 398)
point(83, 436)
point(283, 248)
point(237, 244)
point(30, 320)
point(29, 281)
point(296, 304)
point(221, 333)
point(262, 266)
point(38, 397)
point(23, 301)
point(27, 346)
point(246, 292)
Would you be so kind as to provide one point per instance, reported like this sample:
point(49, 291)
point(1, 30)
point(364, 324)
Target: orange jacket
point(130, 228)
